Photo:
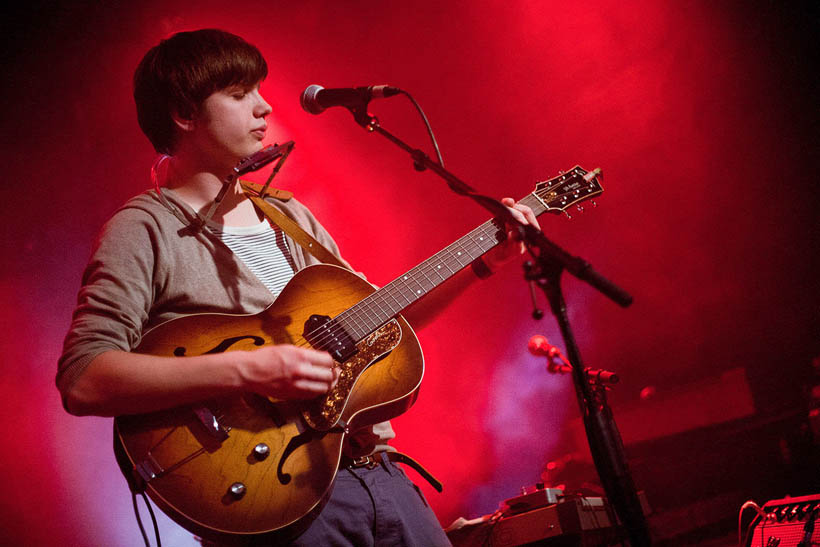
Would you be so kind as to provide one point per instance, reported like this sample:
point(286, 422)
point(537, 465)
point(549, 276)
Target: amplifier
point(791, 522)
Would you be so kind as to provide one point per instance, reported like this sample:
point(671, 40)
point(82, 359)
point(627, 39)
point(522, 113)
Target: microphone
point(315, 98)
point(541, 347)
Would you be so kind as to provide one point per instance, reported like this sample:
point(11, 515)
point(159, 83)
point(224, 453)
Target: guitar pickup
point(325, 334)
point(211, 423)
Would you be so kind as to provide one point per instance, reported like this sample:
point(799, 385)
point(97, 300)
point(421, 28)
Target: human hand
point(512, 247)
point(287, 372)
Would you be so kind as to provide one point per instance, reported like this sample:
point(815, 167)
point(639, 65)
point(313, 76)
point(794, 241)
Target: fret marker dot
point(459, 253)
point(405, 277)
point(418, 291)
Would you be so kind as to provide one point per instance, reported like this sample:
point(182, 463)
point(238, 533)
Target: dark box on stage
point(574, 521)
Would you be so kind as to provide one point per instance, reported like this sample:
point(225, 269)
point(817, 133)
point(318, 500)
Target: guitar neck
point(393, 298)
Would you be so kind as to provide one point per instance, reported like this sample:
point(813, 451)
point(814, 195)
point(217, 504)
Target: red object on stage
point(791, 522)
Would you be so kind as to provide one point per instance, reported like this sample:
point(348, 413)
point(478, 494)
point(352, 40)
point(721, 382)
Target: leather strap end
point(407, 460)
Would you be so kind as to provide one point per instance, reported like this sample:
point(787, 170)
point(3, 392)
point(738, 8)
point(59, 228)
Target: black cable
point(139, 520)
point(427, 125)
point(153, 518)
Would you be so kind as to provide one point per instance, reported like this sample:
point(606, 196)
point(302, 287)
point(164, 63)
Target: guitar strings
point(373, 303)
point(429, 269)
point(354, 313)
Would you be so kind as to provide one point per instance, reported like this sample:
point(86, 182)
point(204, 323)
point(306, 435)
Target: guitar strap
point(288, 225)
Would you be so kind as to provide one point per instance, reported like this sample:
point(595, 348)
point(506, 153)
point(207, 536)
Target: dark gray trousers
point(377, 507)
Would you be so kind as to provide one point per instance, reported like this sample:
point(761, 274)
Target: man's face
point(231, 124)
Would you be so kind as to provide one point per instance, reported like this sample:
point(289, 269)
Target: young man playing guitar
point(198, 100)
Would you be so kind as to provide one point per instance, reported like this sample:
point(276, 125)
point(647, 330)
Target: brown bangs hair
point(179, 73)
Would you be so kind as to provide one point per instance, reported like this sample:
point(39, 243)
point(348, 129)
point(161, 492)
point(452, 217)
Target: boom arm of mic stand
point(577, 266)
point(530, 234)
point(420, 159)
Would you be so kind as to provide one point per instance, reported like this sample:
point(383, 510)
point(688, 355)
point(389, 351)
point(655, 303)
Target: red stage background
point(702, 115)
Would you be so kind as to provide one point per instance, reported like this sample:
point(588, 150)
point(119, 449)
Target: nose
point(262, 108)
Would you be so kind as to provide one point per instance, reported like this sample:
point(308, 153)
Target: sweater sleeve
point(116, 294)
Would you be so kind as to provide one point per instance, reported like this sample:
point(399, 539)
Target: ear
point(183, 123)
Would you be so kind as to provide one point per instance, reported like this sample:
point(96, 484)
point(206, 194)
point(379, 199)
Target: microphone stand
point(604, 439)
point(550, 261)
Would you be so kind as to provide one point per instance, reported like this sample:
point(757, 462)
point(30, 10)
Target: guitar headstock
point(561, 192)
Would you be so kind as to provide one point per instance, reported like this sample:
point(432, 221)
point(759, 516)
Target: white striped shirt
point(262, 248)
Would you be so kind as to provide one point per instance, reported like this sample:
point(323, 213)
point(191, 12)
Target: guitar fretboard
point(387, 302)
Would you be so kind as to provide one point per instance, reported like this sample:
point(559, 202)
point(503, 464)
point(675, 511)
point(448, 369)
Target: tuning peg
point(580, 208)
point(568, 215)
point(594, 203)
